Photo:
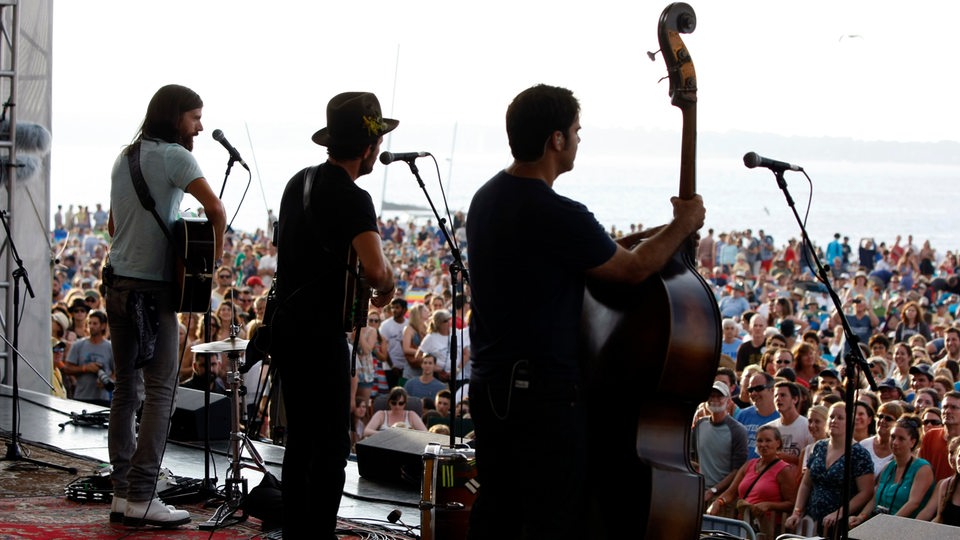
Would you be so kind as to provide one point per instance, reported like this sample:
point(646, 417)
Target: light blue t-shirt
point(140, 249)
point(752, 420)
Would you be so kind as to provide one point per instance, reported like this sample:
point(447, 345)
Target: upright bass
point(651, 353)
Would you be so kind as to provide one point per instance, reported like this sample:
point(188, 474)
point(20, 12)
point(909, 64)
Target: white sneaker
point(154, 513)
point(117, 506)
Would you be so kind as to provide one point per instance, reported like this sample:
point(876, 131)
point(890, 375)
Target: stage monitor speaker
point(887, 527)
point(189, 421)
point(395, 455)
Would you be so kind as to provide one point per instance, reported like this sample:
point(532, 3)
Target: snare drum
point(449, 487)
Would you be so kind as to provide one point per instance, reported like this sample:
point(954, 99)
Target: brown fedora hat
point(354, 117)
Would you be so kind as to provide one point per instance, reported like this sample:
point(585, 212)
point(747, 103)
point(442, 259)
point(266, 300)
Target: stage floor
point(41, 416)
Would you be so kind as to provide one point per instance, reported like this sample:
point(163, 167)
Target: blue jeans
point(136, 457)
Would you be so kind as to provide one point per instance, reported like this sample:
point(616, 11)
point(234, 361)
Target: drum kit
point(235, 489)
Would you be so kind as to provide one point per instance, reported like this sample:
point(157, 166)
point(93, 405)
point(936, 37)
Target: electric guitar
point(195, 245)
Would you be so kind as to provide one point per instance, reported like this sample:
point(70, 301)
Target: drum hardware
point(447, 492)
point(235, 488)
point(232, 344)
point(394, 517)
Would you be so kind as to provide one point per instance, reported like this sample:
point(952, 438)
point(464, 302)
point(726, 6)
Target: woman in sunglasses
point(879, 445)
point(932, 417)
point(396, 415)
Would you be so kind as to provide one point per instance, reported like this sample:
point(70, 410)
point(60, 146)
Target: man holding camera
point(91, 361)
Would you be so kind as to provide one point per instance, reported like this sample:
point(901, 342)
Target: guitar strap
point(308, 180)
point(309, 177)
point(757, 479)
point(143, 193)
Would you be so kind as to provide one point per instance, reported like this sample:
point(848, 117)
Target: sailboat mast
point(393, 101)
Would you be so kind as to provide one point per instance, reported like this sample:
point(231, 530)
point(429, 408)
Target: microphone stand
point(855, 363)
point(457, 271)
point(226, 175)
point(14, 451)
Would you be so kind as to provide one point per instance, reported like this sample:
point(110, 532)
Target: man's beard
point(187, 142)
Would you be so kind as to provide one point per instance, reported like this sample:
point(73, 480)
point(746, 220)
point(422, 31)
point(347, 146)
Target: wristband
point(798, 512)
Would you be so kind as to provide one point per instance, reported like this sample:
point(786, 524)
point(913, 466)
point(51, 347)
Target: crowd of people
point(768, 441)
point(783, 375)
point(783, 357)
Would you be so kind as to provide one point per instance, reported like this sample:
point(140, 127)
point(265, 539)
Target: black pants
point(316, 394)
point(531, 461)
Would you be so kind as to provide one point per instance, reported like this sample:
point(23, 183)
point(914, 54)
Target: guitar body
point(193, 238)
point(663, 338)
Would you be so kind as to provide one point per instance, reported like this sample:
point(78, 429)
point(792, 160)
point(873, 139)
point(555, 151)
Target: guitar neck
point(356, 295)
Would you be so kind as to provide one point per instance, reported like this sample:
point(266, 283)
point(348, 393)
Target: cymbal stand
point(235, 489)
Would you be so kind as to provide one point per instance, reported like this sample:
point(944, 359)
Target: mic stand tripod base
point(14, 453)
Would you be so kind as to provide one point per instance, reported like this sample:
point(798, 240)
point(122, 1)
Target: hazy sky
point(857, 69)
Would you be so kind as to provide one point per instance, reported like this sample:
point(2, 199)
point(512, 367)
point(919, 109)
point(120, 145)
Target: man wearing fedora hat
point(318, 227)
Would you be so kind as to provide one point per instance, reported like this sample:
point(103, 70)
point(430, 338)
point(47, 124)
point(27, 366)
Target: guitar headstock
point(678, 18)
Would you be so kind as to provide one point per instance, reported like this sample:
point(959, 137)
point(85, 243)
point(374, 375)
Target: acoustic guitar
point(195, 246)
point(651, 353)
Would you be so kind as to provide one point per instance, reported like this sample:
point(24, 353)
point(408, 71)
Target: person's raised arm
point(648, 257)
point(376, 271)
point(213, 209)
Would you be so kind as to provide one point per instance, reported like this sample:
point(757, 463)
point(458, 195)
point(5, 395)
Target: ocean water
point(856, 199)
point(859, 200)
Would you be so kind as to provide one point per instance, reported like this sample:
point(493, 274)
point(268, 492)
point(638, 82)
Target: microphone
point(234, 155)
point(752, 159)
point(32, 138)
point(389, 157)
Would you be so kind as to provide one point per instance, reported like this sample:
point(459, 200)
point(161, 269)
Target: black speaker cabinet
point(395, 455)
point(189, 421)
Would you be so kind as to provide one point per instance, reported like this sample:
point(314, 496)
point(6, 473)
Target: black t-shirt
point(312, 255)
point(529, 249)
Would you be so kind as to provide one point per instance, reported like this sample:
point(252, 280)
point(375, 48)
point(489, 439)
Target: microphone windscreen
point(32, 138)
point(27, 167)
point(385, 158)
point(751, 160)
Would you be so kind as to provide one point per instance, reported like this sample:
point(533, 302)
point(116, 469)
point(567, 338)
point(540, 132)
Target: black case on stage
point(395, 455)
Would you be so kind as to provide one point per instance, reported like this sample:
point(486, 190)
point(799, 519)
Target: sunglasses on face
point(224, 276)
point(373, 320)
point(400, 403)
point(932, 422)
point(886, 417)
point(759, 388)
